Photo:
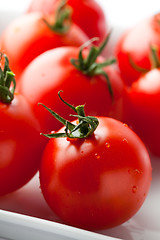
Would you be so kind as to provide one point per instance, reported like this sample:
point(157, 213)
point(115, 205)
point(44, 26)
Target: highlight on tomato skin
point(99, 181)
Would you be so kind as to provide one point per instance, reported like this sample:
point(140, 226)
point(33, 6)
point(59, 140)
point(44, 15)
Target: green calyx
point(89, 66)
point(154, 59)
point(62, 19)
point(85, 127)
point(7, 80)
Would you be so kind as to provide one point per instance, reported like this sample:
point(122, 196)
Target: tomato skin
point(135, 44)
point(31, 36)
point(142, 109)
point(96, 26)
point(19, 144)
point(99, 182)
point(53, 71)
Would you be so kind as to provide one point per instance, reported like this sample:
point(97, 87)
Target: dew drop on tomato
point(97, 156)
point(107, 145)
point(134, 189)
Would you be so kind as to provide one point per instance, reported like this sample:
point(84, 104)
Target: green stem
point(7, 81)
point(84, 129)
point(136, 67)
point(155, 60)
point(62, 19)
point(89, 66)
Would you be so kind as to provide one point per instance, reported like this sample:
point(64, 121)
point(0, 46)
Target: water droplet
point(134, 189)
point(107, 145)
point(52, 132)
point(125, 140)
point(134, 172)
point(97, 156)
point(137, 171)
point(125, 124)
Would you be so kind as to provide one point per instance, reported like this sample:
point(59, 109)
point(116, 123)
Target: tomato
point(135, 45)
point(82, 11)
point(98, 181)
point(142, 108)
point(29, 35)
point(53, 71)
point(20, 143)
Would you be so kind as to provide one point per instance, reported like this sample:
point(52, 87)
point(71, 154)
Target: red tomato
point(97, 182)
point(52, 71)
point(142, 109)
point(28, 36)
point(20, 144)
point(135, 45)
point(83, 11)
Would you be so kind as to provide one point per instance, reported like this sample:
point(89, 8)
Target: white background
point(118, 11)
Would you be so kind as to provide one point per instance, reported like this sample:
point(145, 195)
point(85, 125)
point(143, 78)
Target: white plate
point(25, 215)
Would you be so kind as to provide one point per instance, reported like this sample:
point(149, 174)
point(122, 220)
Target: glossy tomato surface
point(53, 71)
point(98, 182)
point(87, 14)
point(142, 109)
point(134, 45)
point(20, 144)
point(28, 35)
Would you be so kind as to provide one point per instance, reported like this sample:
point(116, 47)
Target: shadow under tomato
point(120, 232)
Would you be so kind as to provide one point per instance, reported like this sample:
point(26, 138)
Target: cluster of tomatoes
point(95, 172)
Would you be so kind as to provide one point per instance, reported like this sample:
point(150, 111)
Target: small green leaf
point(7, 81)
point(58, 117)
point(84, 129)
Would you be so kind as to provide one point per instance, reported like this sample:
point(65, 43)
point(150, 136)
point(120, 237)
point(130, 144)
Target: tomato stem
point(7, 80)
point(62, 19)
point(136, 67)
point(85, 127)
point(89, 66)
point(154, 59)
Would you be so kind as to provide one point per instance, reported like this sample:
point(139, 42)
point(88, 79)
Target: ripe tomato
point(29, 35)
point(19, 144)
point(53, 71)
point(99, 181)
point(135, 45)
point(20, 150)
point(82, 11)
point(142, 109)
